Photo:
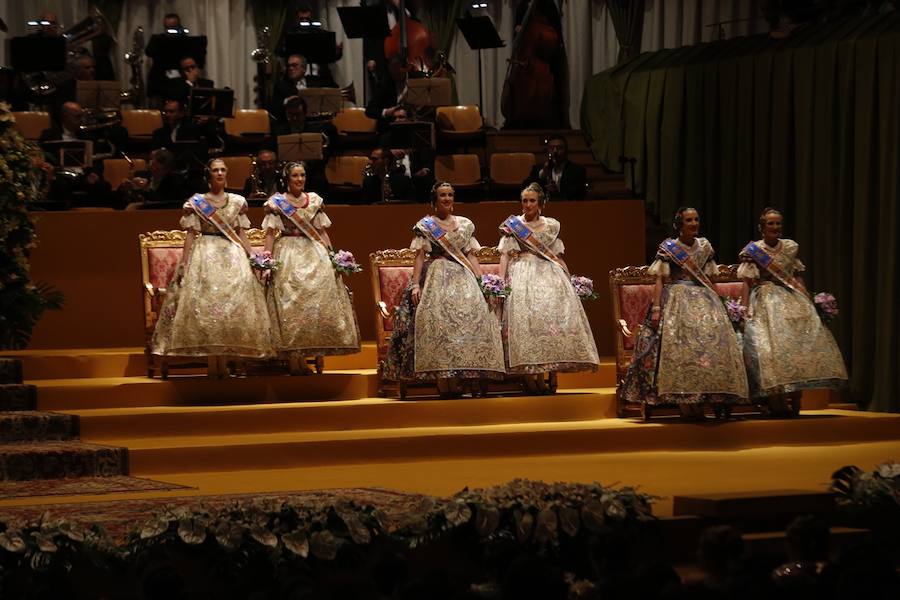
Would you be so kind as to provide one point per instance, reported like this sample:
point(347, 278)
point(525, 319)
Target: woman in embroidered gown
point(546, 328)
point(444, 327)
point(687, 352)
point(787, 348)
point(309, 306)
point(215, 306)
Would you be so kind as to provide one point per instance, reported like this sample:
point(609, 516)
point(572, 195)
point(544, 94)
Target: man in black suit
point(560, 177)
point(177, 126)
point(385, 106)
point(158, 77)
point(305, 22)
point(411, 174)
point(158, 187)
point(190, 78)
point(267, 170)
point(296, 78)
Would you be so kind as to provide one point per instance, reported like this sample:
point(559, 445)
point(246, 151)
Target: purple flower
point(584, 287)
point(264, 261)
point(494, 286)
point(344, 262)
point(826, 305)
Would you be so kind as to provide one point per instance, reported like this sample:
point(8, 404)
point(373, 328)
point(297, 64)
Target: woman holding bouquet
point(547, 329)
point(309, 306)
point(444, 327)
point(687, 352)
point(787, 348)
point(215, 305)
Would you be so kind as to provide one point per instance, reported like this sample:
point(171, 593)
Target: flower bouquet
point(264, 261)
point(737, 312)
point(584, 287)
point(344, 262)
point(494, 286)
point(826, 306)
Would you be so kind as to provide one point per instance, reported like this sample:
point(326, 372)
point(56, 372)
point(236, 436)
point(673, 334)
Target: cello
point(530, 98)
point(411, 40)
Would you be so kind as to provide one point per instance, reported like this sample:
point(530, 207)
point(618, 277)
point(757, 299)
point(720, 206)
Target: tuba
point(93, 25)
point(135, 59)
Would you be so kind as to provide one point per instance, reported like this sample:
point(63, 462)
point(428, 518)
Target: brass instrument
point(94, 25)
point(135, 59)
point(98, 120)
point(260, 55)
point(135, 188)
point(256, 184)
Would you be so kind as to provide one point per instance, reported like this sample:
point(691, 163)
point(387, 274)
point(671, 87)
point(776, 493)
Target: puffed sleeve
point(508, 244)
point(557, 247)
point(420, 242)
point(243, 221)
point(710, 268)
point(799, 267)
point(472, 245)
point(792, 248)
point(272, 220)
point(659, 267)
point(748, 270)
point(321, 220)
point(189, 220)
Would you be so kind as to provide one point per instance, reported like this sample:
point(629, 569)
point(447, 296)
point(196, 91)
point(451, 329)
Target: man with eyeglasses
point(190, 78)
point(296, 78)
point(559, 176)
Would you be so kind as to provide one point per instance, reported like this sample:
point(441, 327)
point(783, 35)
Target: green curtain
point(628, 20)
point(809, 124)
point(440, 19)
point(112, 10)
point(272, 14)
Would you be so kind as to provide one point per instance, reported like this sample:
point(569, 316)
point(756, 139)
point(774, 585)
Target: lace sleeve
point(659, 267)
point(321, 220)
point(748, 270)
point(418, 243)
point(189, 220)
point(508, 244)
point(557, 247)
point(472, 246)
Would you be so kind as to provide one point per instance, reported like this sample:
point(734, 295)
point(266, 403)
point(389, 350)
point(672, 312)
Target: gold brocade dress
point(456, 333)
point(219, 307)
point(693, 356)
point(786, 345)
point(309, 306)
point(545, 324)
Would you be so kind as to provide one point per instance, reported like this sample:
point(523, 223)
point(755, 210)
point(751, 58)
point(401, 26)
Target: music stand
point(73, 154)
point(364, 21)
point(190, 155)
point(411, 134)
point(300, 146)
point(98, 94)
point(322, 101)
point(211, 102)
point(167, 49)
point(30, 54)
point(316, 45)
point(480, 34)
point(432, 91)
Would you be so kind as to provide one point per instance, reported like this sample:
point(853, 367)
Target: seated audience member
point(159, 187)
point(559, 176)
point(86, 185)
point(269, 182)
point(294, 80)
point(411, 174)
point(180, 87)
point(386, 105)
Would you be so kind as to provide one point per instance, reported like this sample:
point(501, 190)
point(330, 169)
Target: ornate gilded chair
point(160, 253)
point(391, 272)
point(631, 290)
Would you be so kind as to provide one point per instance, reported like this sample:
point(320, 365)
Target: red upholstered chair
point(160, 253)
point(631, 290)
point(391, 272)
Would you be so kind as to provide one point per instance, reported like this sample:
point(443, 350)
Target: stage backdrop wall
point(94, 259)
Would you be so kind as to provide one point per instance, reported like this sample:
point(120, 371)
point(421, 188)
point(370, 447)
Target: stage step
point(29, 425)
point(54, 460)
point(131, 362)
point(187, 453)
point(733, 505)
point(366, 413)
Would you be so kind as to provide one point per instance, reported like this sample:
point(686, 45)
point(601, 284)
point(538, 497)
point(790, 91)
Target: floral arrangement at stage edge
point(21, 302)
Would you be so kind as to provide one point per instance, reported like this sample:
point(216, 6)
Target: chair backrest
point(391, 272)
point(461, 169)
point(31, 123)
point(248, 120)
point(459, 119)
point(346, 170)
point(353, 120)
point(141, 122)
point(239, 169)
point(511, 168)
point(160, 253)
point(115, 170)
point(631, 290)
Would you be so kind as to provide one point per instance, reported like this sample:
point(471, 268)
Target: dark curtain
point(809, 125)
point(628, 19)
point(440, 19)
point(273, 14)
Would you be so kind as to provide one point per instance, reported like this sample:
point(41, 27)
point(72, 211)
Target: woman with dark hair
point(787, 348)
point(309, 306)
point(444, 328)
point(546, 328)
point(687, 352)
point(214, 306)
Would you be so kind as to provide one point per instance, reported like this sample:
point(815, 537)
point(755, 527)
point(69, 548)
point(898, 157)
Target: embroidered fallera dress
point(786, 345)
point(309, 306)
point(545, 324)
point(452, 332)
point(219, 307)
point(693, 356)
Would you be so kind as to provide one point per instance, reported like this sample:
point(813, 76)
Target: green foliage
point(21, 302)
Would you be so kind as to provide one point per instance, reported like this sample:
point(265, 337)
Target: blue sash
point(767, 262)
point(208, 213)
point(677, 253)
point(291, 213)
point(437, 234)
point(526, 236)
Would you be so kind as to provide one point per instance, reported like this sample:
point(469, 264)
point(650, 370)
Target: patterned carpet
point(120, 517)
point(83, 486)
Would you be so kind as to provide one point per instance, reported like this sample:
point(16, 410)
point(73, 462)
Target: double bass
point(412, 41)
point(531, 98)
